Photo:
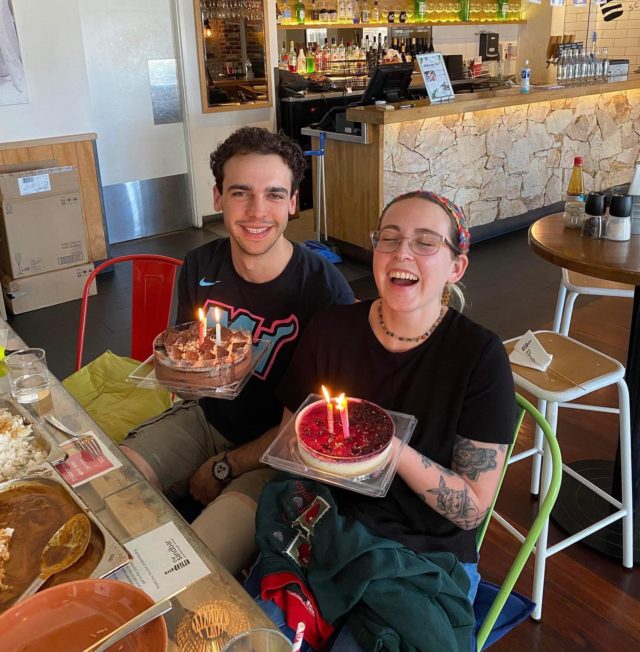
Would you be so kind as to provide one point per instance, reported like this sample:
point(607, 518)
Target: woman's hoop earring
point(446, 294)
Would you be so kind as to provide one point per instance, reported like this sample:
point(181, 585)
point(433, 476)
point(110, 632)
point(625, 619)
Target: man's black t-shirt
point(279, 310)
point(458, 382)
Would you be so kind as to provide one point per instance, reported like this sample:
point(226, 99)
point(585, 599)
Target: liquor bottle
point(503, 9)
point(430, 42)
point(574, 199)
point(286, 12)
point(311, 62)
point(375, 13)
point(420, 11)
point(634, 191)
point(315, 13)
point(348, 11)
point(278, 15)
point(300, 13)
point(391, 16)
point(293, 59)
point(326, 55)
point(283, 59)
point(317, 58)
point(356, 12)
point(301, 67)
point(332, 14)
point(365, 12)
point(342, 11)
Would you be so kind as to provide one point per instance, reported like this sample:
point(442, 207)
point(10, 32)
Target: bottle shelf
point(396, 25)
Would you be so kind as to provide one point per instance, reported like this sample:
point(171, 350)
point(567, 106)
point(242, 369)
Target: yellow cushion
point(115, 404)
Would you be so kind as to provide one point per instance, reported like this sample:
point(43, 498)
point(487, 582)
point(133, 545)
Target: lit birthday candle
point(216, 312)
point(327, 398)
point(341, 404)
point(202, 327)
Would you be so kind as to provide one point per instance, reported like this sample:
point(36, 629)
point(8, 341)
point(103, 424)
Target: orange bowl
point(74, 615)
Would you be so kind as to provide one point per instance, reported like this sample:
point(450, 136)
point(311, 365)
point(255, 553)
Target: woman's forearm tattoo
point(471, 460)
point(456, 505)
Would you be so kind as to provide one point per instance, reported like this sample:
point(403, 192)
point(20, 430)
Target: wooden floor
point(591, 602)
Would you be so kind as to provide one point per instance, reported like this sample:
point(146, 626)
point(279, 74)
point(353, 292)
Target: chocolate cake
point(181, 360)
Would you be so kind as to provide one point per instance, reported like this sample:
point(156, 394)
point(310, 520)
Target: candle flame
point(341, 402)
point(327, 396)
point(216, 312)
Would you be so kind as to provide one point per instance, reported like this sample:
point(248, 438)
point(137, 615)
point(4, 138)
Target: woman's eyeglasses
point(424, 243)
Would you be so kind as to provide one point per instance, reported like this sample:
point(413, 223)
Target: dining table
point(208, 602)
point(616, 261)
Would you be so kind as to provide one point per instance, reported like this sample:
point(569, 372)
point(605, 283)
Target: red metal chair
point(153, 279)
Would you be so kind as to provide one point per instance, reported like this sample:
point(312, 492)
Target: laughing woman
point(410, 351)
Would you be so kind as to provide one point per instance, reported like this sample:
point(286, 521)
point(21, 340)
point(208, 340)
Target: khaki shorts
point(176, 444)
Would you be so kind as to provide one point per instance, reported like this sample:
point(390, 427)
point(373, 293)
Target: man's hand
point(203, 486)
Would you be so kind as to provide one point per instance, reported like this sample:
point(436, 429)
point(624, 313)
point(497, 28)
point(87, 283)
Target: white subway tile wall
point(620, 36)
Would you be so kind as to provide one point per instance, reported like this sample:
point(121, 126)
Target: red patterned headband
point(454, 212)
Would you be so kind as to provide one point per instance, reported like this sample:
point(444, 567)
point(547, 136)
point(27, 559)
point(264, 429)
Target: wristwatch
point(221, 469)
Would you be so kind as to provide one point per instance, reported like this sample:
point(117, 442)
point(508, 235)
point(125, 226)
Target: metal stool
point(575, 284)
point(576, 370)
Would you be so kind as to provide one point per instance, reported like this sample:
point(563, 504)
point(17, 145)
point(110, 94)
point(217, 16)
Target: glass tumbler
point(28, 375)
point(259, 640)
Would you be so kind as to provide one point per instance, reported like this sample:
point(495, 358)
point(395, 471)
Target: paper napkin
point(528, 352)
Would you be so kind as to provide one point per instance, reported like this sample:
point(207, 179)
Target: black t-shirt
point(279, 310)
point(458, 382)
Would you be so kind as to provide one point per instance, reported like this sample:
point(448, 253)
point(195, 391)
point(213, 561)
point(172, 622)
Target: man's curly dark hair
point(256, 140)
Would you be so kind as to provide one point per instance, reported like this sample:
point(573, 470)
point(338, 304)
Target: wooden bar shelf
point(521, 21)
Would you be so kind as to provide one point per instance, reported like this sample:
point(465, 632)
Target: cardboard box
point(42, 223)
point(42, 290)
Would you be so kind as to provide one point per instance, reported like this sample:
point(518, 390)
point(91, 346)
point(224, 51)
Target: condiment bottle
point(594, 222)
point(619, 220)
point(574, 199)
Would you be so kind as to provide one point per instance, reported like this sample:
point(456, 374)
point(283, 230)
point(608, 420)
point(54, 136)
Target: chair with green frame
point(495, 621)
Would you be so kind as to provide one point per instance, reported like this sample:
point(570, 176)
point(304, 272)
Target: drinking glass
point(486, 12)
point(259, 640)
point(28, 375)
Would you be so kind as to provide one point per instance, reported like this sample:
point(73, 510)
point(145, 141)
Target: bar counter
point(499, 154)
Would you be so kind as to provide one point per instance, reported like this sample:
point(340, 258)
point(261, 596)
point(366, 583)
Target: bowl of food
point(75, 615)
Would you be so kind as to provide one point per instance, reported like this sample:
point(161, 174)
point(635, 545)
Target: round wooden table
point(613, 261)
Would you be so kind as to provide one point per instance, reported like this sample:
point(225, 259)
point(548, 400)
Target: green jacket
point(392, 597)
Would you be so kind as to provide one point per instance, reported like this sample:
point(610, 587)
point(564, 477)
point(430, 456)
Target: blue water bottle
point(525, 77)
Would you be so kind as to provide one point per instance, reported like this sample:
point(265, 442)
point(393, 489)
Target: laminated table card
point(435, 76)
point(528, 352)
point(163, 563)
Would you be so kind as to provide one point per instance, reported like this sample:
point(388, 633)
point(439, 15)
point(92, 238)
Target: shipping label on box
point(42, 290)
point(42, 222)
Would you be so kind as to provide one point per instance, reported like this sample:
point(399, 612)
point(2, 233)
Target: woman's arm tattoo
point(456, 505)
point(471, 460)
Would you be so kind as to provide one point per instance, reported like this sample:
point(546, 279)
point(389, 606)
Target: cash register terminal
point(389, 82)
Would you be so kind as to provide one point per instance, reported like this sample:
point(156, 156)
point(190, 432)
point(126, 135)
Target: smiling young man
point(260, 282)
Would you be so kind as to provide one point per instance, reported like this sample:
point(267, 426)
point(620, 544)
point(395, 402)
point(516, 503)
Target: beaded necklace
point(419, 338)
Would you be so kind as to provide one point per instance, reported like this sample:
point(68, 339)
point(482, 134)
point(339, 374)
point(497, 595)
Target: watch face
point(222, 470)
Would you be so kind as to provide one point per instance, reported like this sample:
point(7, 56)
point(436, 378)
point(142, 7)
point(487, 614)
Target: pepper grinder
point(594, 222)
point(619, 220)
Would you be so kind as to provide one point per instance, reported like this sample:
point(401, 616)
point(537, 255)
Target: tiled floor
point(508, 289)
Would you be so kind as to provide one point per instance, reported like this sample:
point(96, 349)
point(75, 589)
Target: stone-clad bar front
point(498, 154)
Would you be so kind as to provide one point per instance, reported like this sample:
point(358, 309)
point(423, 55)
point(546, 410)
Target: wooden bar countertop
point(484, 100)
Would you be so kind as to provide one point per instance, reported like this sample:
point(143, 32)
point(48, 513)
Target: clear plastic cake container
point(283, 454)
point(144, 376)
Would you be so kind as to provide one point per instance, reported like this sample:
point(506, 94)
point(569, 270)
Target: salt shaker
point(594, 223)
point(619, 220)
